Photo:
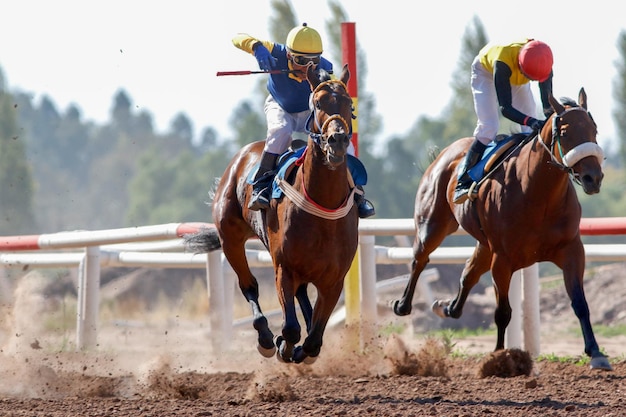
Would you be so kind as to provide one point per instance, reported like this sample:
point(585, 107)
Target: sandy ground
point(173, 367)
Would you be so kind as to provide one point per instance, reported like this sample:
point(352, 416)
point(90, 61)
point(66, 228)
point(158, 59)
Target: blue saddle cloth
point(478, 171)
point(287, 159)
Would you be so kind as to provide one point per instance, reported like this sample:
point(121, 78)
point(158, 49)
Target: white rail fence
point(161, 246)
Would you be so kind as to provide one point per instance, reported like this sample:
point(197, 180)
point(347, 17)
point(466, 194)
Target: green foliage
point(16, 184)
point(60, 172)
point(611, 201)
point(619, 93)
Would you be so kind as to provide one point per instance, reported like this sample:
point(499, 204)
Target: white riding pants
point(486, 103)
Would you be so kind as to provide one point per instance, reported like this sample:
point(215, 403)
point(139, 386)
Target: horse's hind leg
point(501, 274)
point(475, 267)
point(236, 255)
point(429, 237)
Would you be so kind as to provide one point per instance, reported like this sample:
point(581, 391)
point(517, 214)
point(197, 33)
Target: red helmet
point(535, 60)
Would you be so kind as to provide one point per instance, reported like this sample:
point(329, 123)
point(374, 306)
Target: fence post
point(532, 331)
point(513, 336)
point(215, 287)
point(368, 296)
point(88, 299)
point(227, 315)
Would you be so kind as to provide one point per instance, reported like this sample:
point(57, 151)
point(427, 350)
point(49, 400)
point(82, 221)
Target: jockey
point(500, 80)
point(287, 105)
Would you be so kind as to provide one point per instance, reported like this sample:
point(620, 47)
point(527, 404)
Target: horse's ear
point(345, 74)
point(311, 75)
point(558, 107)
point(582, 98)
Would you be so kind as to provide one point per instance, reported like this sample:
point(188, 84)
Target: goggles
point(304, 60)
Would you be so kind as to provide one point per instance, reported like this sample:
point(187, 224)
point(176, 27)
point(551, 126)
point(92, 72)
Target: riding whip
point(221, 73)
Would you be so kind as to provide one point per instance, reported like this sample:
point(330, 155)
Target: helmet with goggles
point(304, 40)
point(535, 60)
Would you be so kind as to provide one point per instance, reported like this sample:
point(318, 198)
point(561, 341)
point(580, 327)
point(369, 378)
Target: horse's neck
point(539, 171)
point(327, 187)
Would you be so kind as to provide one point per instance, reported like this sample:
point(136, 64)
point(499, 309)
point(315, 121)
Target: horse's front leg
point(291, 327)
point(573, 271)
point(475, 267)
point(305, 305)
point(324, 306)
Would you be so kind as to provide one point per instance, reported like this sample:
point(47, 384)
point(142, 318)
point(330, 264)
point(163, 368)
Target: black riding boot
point(366, 208)
point(464, 181)
point(260, 198)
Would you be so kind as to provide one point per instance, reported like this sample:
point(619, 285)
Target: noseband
point(321, 139)
point(577, 153)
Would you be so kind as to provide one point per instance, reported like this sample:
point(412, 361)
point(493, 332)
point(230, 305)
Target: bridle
point(569, 159)
point(302, 200)
point(320, 137)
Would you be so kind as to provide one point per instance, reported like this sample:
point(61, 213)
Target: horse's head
point(330, 124)
point(573, 145)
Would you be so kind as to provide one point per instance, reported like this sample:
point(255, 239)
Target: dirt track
point(103, 385)
point(171, 369)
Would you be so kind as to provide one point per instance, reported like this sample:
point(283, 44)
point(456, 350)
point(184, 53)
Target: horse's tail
point(203, 241)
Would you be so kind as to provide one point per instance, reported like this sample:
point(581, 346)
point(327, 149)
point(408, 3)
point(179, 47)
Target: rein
point(304, 201)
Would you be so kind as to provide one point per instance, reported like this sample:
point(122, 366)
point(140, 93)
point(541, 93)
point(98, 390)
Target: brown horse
point(525, 212)
point(311, 233)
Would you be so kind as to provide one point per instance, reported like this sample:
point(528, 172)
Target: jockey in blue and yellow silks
point(500, 81)
point(287, 105)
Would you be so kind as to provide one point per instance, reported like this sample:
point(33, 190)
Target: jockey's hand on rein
point(536, 125)
point(264, 57)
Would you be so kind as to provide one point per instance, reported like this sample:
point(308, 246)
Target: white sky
point(165, 54)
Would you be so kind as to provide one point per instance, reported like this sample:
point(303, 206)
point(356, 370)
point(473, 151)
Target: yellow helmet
point(304, 40)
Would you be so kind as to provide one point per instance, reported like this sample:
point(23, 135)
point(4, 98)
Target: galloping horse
point(527, 211)
point(311, 233)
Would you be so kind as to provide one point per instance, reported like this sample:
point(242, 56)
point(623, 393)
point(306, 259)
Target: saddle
point(287, 165)
point(496, 152)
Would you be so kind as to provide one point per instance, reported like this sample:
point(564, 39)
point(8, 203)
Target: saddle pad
point(493, 152)
point(355, 166)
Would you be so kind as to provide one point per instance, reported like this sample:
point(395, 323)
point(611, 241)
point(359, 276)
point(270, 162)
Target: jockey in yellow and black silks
point(500, 81)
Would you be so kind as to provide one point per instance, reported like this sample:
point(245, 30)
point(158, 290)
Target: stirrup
point(462, 194)
point(259, 200)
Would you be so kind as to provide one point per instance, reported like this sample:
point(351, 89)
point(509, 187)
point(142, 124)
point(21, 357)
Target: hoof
point(280, 343)
point(300, 357)
point(600, 362)
point(400, 311)
point(439, 308)
point(266, 352)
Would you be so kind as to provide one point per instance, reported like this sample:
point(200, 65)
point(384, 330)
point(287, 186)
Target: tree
point(16, 183)
point(619, 93)
point(461, 119)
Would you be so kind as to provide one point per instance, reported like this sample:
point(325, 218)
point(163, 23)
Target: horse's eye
point(318, 105)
